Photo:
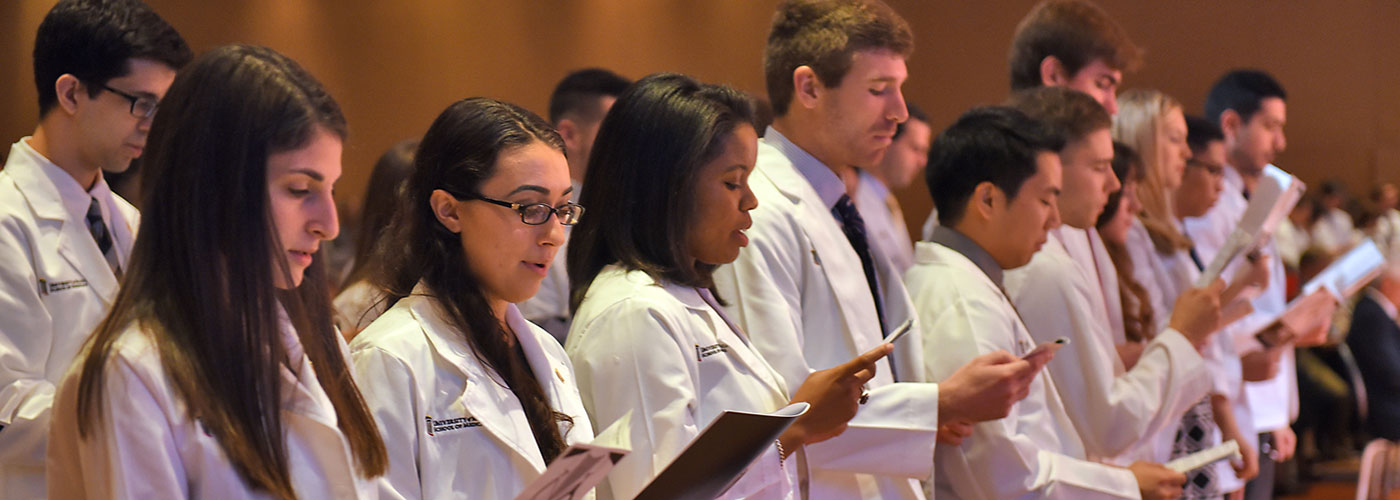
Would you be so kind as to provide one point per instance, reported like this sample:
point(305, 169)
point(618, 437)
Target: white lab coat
point(1273, 403)
point(1334, 231)
point(1112, 408)
point(1034, 452)
point(357, 306)
point(147, 445)
point(800, 293)
point(452, 427)
point(55, 287)
point(662, 352)
point(884, 221)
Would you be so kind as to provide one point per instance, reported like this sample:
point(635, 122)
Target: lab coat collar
point(302, 391)
point(695, 300)
point(824, 182)
point(44, 185)
point(499, 412)
point(979, 257)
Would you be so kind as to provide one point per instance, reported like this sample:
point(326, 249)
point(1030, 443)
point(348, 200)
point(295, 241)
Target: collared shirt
point(1385, 303)
point(76, 199)
point(960, 243)
point(828, 186)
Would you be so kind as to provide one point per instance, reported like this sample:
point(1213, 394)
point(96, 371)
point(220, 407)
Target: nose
point(1112, 184)
point(1110, 101)
point(1053, 221)
point(553, 232)
point(748, 201)
point(899, 110)
point(325, 222)
point(1280, 143)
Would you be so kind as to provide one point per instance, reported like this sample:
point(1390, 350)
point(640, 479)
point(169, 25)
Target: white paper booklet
point(1188, 463)
point(1273, 198)
point(581, 467)
point(1334, 285)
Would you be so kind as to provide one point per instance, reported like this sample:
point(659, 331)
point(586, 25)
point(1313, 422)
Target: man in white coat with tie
point(101, 68)
point(809, 288)
point(1113, 408)
point(995, 175)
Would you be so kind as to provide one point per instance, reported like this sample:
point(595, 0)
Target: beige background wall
point(393, 65)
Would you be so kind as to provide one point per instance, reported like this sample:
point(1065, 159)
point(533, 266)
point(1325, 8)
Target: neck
point(577, 168)
point(498, 309)
point(49, 141)
point(799, 131)
point(1250, 176)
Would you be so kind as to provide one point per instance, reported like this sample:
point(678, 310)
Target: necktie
point(102, 236)
point(854, 227)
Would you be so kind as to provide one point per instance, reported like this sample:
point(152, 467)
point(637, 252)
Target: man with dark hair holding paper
point(1249, 107)
point(995, 176)
point(1114, 409)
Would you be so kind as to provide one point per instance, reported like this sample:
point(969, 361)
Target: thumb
point(1216, 287)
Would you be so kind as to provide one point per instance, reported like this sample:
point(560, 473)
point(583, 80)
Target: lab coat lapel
point(75, 243)
point(485, 396)
point(309, 414)
point(728, 331)
point(547, 368)
point(831, 250)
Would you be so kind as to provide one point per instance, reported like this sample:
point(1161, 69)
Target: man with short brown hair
point(1072, 43)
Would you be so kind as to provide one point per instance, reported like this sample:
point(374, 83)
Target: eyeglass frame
point(520, 209)
point(155, 104)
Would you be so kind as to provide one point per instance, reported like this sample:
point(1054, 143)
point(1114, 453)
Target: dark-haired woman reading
point(473, 400)
point(667, 181)
point(217, 373)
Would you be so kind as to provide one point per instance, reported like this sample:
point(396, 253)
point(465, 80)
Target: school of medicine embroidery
point(450, 424)
point(46, 287)
point(703, 352)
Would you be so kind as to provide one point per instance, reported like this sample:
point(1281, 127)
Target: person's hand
point(984, 388)
point(1156, 482)
point(1129, 352)
point(1263, 364)
point(1247, 280)
point(953, 433)
point(1197, 313)
point(1285, 443)
point(834, 394)
point(1248, 467)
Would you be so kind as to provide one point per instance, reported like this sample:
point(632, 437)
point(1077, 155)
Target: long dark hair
point(382, 195)
point(642, 173)
point(458, 154)
point(201, 278)
point(1139, 317)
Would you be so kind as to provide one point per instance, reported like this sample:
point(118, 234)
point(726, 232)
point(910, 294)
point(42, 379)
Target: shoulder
point(623, 297)
point(397, 333)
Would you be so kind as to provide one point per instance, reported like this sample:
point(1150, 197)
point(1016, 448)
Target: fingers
point(865, 362)
point(1216, 287)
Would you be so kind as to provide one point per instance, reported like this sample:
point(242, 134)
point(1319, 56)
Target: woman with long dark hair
point(359, 301)
point(473, 400)
point(218, 373)
point(668, 186)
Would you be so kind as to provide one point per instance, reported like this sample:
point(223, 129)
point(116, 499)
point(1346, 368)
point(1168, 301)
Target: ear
point(1052, 72)
point(984, 200)
point(67, 87)
point(806, 86)
point(445, 208)
point(1230, 124)
point(569, 131)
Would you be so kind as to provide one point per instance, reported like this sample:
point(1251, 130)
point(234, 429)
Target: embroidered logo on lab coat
point(450, 424)
point(47, 287)
point(704, 352)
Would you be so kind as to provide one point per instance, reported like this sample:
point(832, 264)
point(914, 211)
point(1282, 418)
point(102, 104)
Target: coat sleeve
point(1112, 410)
point(1002, 459)
point(26, 338)
point(132, 452)
point(389, 390)
point(632, 357)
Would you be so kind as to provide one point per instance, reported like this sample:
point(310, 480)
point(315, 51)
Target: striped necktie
point(103, 237)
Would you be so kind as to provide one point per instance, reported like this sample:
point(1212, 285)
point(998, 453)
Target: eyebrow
point(1055, 191)
point(735, 167)
point(532, 187)
point(314, 175)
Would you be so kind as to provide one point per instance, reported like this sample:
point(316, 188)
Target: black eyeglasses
point(535, 214)
point(141, 107)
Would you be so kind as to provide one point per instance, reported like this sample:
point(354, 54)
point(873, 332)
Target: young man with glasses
point(101, 67)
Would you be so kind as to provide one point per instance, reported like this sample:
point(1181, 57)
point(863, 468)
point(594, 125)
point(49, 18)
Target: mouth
point(135, 150)
point(301, 257)
point(540, 268)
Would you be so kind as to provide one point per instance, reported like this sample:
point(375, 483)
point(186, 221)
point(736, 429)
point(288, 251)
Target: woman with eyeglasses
point(473, 400)
point(668, 183)
point(218, 373)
